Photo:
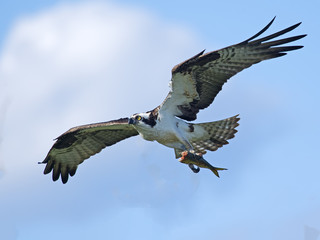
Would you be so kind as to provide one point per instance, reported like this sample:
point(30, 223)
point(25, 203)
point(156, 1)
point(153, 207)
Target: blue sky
point(66, 63)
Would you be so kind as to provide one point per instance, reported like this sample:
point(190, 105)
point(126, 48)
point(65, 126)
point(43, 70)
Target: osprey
point(194, 85)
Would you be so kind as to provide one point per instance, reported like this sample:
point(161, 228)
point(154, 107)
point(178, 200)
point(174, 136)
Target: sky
point(68, 63)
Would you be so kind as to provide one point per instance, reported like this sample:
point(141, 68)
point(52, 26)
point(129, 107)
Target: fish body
point(198, 160)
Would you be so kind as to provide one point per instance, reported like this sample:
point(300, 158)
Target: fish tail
point(216, 169)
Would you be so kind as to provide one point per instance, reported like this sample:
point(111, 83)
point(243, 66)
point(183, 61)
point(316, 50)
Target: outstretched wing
point(196, 81)
point(79, 143)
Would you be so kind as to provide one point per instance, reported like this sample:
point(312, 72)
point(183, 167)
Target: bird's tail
point(218, 134)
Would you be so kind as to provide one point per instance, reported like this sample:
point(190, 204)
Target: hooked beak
point(131, 121)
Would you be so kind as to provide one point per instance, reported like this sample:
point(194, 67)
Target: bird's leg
point(189, 149)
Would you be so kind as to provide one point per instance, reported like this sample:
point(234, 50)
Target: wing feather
point(196, 82)
point(79, 143)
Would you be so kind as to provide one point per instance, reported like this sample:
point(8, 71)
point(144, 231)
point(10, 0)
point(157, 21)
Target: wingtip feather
point(260, 32)
point(48, 168)
point(56, 172)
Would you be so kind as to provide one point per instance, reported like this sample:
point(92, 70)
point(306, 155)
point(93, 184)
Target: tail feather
point(218, 134)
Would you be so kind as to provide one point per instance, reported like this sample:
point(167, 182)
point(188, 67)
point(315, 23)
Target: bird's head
point(142, 120)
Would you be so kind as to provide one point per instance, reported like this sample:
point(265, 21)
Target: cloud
point(76, 64)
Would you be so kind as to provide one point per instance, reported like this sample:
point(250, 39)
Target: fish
point(188, 157)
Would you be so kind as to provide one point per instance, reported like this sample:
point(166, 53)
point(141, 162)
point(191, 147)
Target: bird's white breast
point(164, 131)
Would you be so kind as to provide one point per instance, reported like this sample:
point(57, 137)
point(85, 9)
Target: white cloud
point(76, 64)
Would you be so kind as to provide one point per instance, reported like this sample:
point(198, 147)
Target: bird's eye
point(138, 118)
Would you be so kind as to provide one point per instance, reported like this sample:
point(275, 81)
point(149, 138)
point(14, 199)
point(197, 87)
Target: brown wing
point(79, 143)
point(197, 81)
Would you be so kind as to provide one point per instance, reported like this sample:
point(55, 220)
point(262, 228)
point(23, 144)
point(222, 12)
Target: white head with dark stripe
point(143, 120)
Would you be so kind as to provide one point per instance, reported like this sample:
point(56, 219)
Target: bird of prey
point(194, 85)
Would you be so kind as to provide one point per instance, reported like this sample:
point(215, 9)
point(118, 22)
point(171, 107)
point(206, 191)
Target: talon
point(183, 155)
point(193, 168)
